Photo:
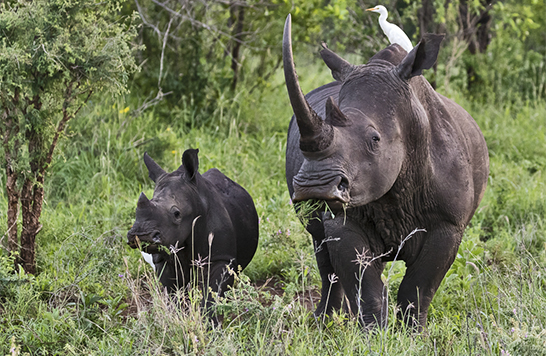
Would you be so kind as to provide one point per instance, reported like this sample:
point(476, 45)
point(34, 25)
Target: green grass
point(95, 295)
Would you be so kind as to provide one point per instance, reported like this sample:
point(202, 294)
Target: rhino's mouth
point(337, 205)
point(334, 191)
point(147, 242)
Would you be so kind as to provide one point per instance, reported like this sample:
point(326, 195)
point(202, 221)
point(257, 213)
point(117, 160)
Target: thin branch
point(162, 55)
point(63, 122)
point(147, 23)
point(145, 105)
point(471, 29)
point(193, 21)
point(477, 19)
point(7, 232)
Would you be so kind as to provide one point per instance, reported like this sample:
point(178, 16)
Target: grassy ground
point(94, 295)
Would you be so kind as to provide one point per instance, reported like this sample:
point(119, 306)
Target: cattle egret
point(393, 32)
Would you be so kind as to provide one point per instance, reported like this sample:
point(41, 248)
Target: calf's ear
point(154, 170)
point(190, 162)
point(421, 56)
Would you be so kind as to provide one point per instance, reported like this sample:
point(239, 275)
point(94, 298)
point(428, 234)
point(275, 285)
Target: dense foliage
point(92, 294)
point(202, 52)
point(199, 52)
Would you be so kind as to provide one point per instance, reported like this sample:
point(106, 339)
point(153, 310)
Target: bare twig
point(328, 239)
point(162, 56)
point(61, 125)
point(146, 22)
point(7, 232)
point(364, 260)
point(213, 29)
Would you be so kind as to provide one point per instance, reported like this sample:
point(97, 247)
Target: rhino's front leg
point(425, 272)
point(358, 268)
point(172, 270)
point(220, 277)
point(331, 293)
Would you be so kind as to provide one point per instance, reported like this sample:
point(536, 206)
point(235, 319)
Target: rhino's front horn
point(143, 200)
point(315, 134)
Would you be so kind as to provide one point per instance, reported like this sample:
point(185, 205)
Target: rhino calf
point(195, 226)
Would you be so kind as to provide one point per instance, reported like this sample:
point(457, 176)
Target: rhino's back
point(459, 157)
point(473, 142)
point(242, 212)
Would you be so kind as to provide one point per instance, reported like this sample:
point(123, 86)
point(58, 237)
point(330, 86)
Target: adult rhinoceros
point(195, 223)
point(388, 155)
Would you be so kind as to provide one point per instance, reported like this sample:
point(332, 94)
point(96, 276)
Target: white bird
point(393, 32)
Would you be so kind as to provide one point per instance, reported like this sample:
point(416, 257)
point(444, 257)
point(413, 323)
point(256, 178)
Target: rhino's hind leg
point(218, 278)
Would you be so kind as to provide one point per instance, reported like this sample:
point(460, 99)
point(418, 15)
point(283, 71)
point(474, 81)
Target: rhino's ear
point(190, 163)
point(334, 116)
point(154, 170)
point(421, 56)
point(340, 68)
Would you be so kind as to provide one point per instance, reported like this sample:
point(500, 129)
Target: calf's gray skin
point(388, 155)
point(189, 216)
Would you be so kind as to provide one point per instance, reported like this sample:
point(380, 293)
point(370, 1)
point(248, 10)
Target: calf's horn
point(315, 134)
point(142, 200)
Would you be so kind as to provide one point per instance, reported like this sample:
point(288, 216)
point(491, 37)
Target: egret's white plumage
point(393, 32)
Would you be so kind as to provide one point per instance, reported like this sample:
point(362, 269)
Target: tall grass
point(94, 295)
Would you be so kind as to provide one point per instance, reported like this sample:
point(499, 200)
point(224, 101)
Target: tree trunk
point(13, 208)
point(476, 27)
point(426, 17)
point(32, 197)
point(32, 192)
point(11, 150)
point(237, 15)
point(483, 34)
point(476, 32)
point(427, 25)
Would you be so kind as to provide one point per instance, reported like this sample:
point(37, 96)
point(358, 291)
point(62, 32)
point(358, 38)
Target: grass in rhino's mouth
point(305, 209)
point(150, 247)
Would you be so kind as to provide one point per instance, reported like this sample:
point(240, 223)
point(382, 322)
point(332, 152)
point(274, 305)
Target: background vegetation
point(92, 294)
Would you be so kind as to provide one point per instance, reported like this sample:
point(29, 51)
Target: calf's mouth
point(148, 242)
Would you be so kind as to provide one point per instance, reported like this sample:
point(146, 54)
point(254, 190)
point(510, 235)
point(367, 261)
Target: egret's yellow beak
point(371, 9)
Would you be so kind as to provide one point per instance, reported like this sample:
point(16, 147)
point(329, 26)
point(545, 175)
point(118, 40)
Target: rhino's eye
point(343, 185)
point(372, 141)
point(373, 136)
point(176, 214)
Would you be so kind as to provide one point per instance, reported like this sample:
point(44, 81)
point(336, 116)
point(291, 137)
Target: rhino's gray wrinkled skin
point(189, 216)
point(389, 155)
